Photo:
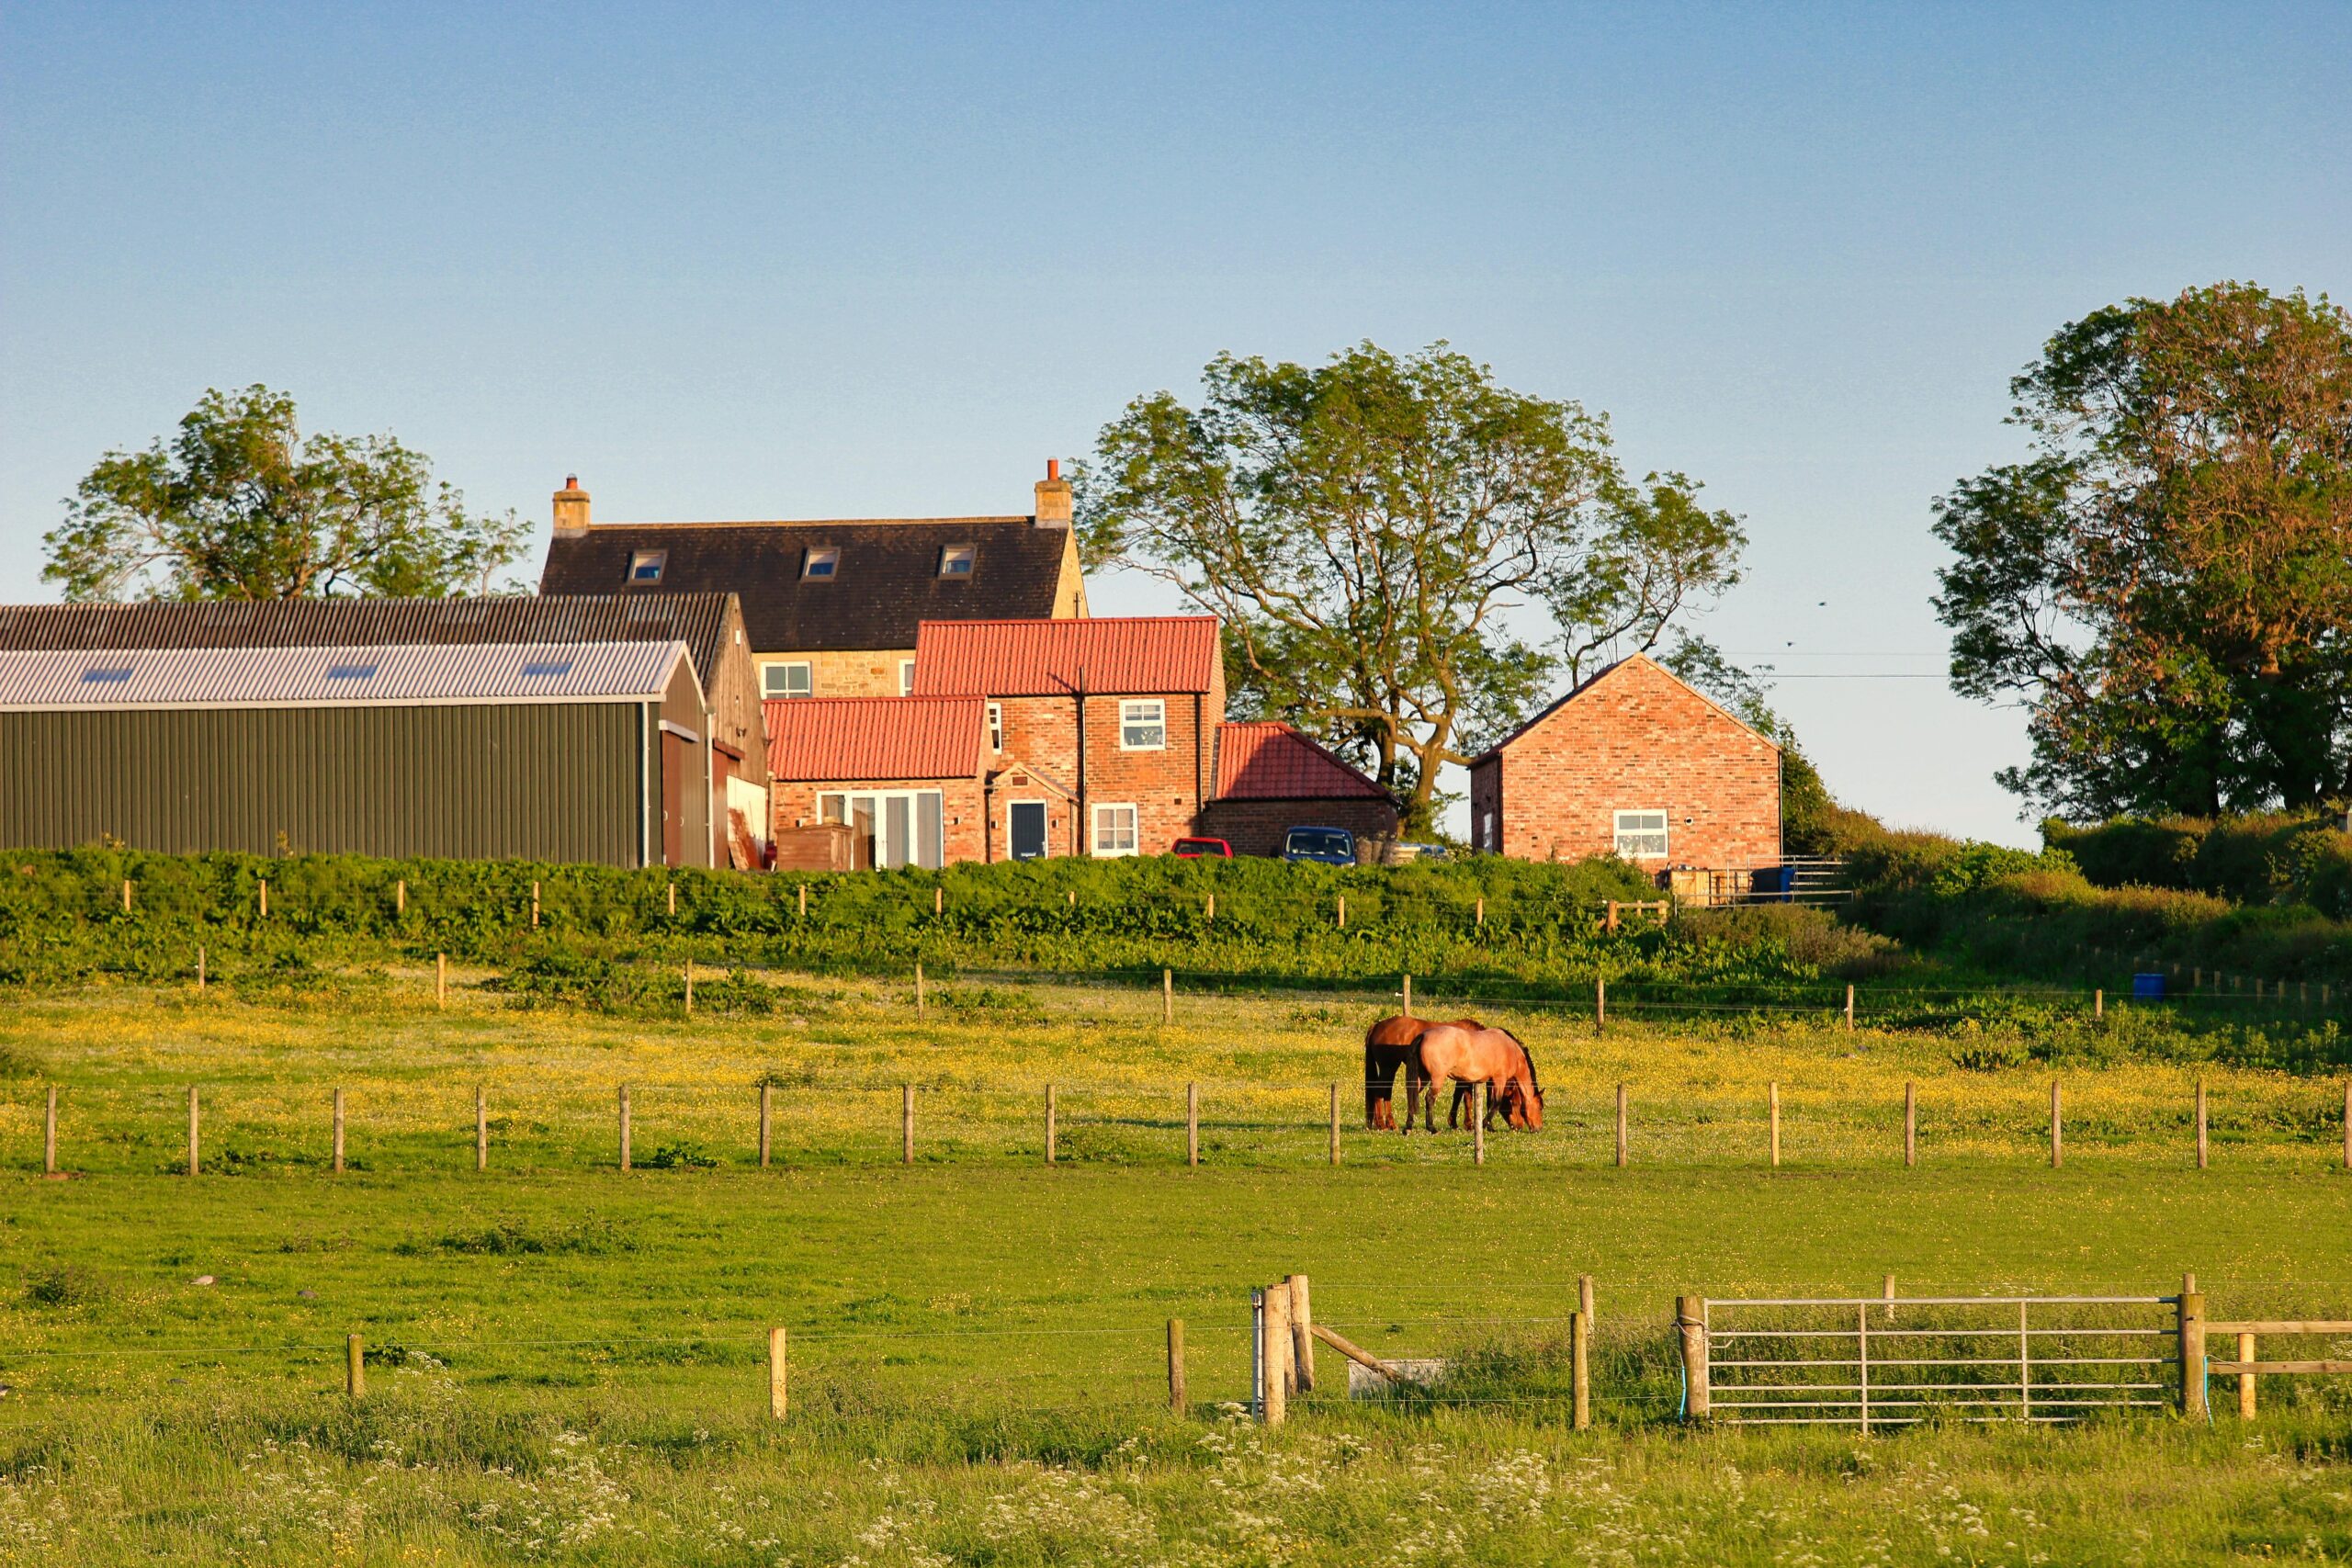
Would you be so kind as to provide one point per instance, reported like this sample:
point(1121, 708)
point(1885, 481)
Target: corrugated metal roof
point(1027, 659)
point(337, 677)
point(698, 620)
point(1273, 761)
point(839, 740)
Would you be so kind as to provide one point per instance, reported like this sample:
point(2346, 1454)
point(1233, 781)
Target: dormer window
point(821, 563)
point(956, 560)
point(645, 566)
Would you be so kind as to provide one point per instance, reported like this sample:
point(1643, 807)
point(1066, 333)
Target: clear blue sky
point(881, 260)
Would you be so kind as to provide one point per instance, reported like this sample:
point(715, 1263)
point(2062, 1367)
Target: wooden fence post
point(939, 900)
point(481, 1127)
point(906, 1123)
point(2202, 1145)
point(265, 899)
point(399, 896)
point(1192, 1123)
point(1693, 1328)
point(804, 901)
point(440, 979)
point(1584, 1297)
point(919, 996)
point(765, 1090)
point(1167, 996)
point(1301, 1334)
point(355, 1368)
point(2192, 1351)
point(2099, 1004)
point(49, 1135)
point(1176, 1400)
point(200, 967)
point(1623, 1150)
point(1482, 912)
point(1609, 921)
point(1052, 1137)
point(1477, 1121)
point(1073, 904)
point(1772, 1103)
point(2057, 1129)
point(1407, 1008)
point(690, 986)
point(1275, 1398)
point(625, 1129)
point(195, 1118)
point(1579, 1369)
point(126, 894)
point(535, 904)
point(1335, 1124)
point(779, 1371)
point(1910, 1125)
point(338, 1131)
point(1600, 1006)
point(1850, 1009)
point(1343, 912)
point(2245, 1380)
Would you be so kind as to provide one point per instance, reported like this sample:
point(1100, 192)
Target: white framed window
point(1487, 833)
point(821, 563)
point(906, 677)
point(1641, 835)
point(995, 727)
point(892, 828)
point(645, 566)
point(956, 560)
point(1115, 831)
point(783, 680)
point(1143, 725)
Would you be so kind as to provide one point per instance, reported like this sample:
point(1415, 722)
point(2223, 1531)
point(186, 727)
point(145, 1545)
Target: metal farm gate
point(1873, 1361)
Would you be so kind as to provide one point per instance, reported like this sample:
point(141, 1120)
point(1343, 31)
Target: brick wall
point(962, 810)
point(1163, 785)
point(1635, 740)
point(1256, 826)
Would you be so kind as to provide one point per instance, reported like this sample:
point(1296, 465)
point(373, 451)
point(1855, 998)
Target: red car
point(1195, 849)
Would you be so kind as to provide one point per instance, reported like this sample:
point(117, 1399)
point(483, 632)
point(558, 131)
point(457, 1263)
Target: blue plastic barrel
point(2147, 987)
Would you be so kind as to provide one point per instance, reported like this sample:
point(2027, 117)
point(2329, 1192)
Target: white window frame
point(1134, 833)
point(887, 849)
point(1486, 839)
point(995, 727)
point(949, 555)
point(1132, 711)
point(1640, 835)
point(808, 679)
point(638, 560)
point(906, 677)
point(827, 556)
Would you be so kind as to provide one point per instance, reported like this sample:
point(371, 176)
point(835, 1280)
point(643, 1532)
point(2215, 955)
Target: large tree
point(1364, 526)
point(2166, 581)
point(241, 505)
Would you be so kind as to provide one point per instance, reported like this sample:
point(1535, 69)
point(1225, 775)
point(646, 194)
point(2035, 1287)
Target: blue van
point(1326, 846)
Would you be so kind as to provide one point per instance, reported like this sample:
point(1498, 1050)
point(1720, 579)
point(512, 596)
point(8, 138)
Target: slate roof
point(1602, 675)
point(1274, 762)
point(886, 585)
point(1139, 654)
point(359, 676)
point(841, 739)
point(698, 620)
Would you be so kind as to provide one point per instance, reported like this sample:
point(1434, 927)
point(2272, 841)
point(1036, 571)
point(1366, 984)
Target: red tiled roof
point(1031, 658)
point(830, 739)
point(1273, 761)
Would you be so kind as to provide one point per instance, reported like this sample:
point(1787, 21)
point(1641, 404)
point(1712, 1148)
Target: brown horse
point(1492, 1056)
point(1388, 1045)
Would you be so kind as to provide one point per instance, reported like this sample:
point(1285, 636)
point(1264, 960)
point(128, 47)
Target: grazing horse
point(1491, 1056)
point(1388, 1045)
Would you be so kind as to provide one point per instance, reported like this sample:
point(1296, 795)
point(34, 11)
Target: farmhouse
point(830, 607)
point(558, 751)
point(1636, 763)
point(727, 734)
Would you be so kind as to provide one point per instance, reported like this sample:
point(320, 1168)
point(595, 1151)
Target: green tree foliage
point(2166, 581)
point(1364, 527)
point(241, 505)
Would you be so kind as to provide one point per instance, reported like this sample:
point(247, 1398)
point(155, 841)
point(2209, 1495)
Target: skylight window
point(821, 563)
point(956, 560)
point(645, 566)
point(351, 672)
point(548, 667)
point(104, 673)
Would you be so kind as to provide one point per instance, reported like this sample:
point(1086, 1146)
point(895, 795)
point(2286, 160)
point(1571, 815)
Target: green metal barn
point(556, 751)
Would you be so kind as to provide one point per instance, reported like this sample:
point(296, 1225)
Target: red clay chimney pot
point(1053, 467)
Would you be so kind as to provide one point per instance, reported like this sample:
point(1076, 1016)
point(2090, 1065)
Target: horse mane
point(1523, 1051)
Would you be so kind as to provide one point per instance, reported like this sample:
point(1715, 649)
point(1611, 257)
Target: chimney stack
point(1053, 497)
point(570, 507)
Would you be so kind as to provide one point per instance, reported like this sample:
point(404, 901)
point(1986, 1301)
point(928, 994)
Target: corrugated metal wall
point(556, 781)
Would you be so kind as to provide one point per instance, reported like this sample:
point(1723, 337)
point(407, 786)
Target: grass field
point(567, 1362)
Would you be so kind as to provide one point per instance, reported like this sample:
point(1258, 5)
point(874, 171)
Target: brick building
point(903, 772)
point(1636, 763)
point(830, 606)
point(1270, 779)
